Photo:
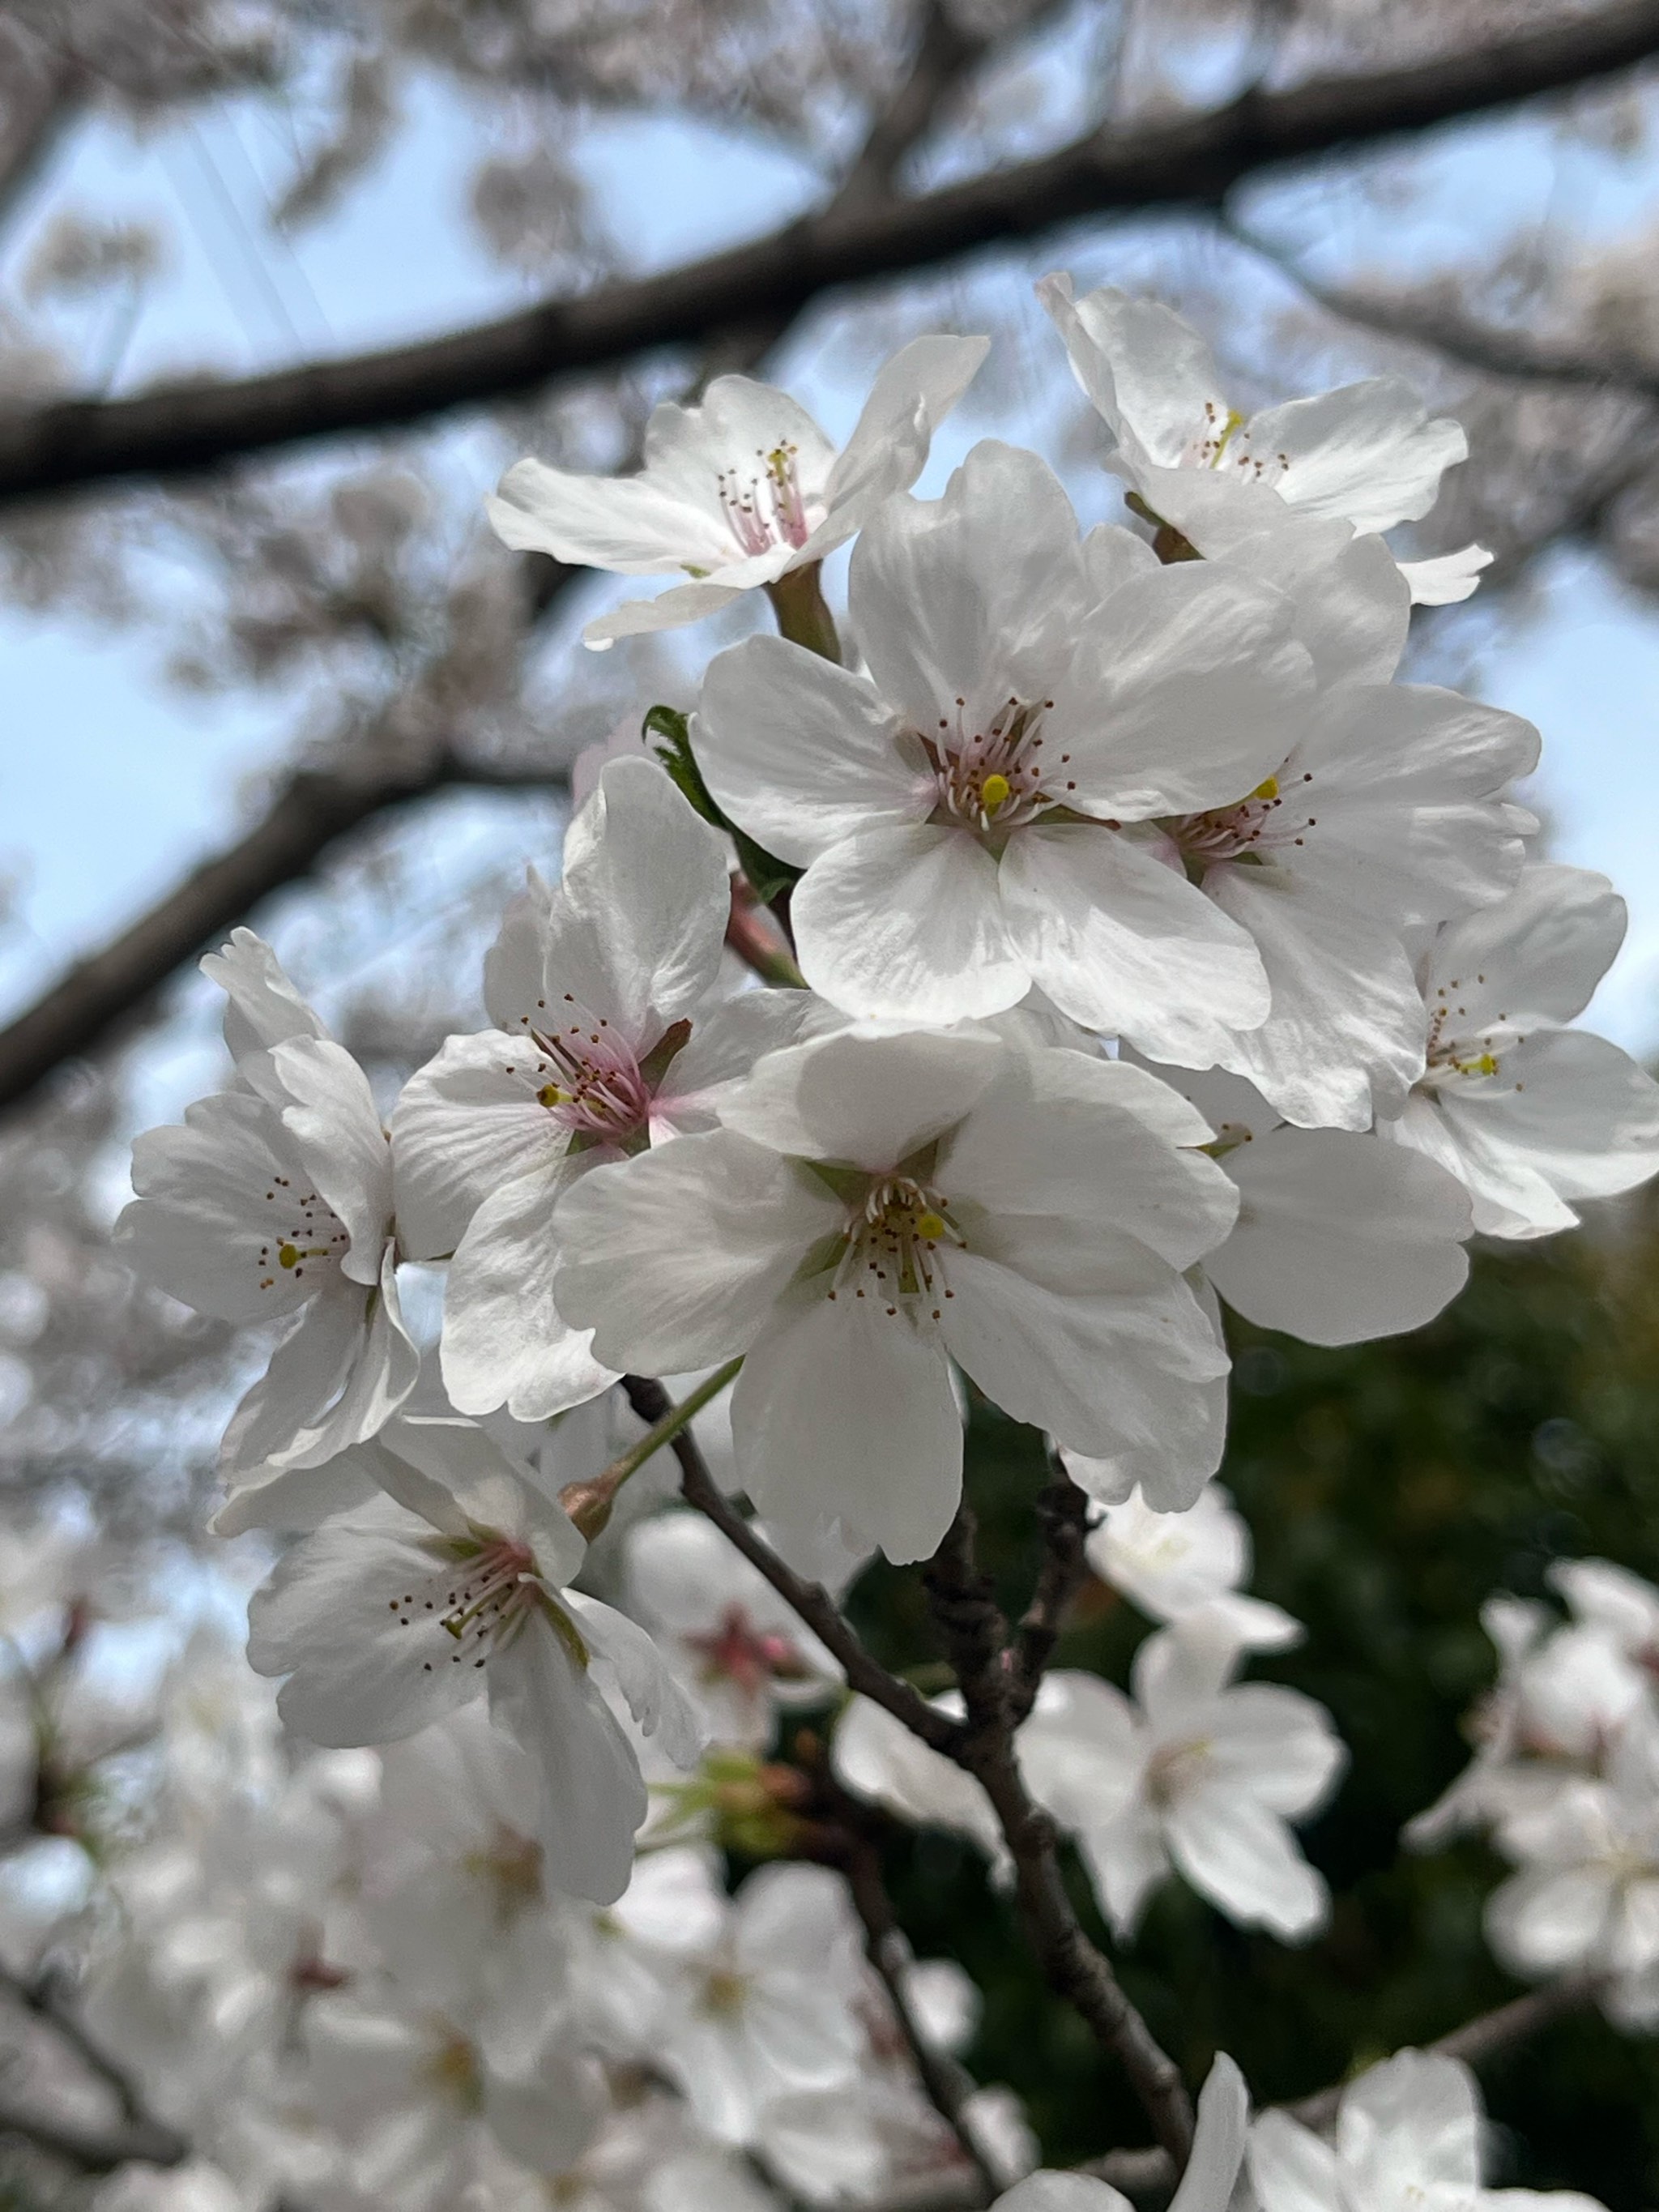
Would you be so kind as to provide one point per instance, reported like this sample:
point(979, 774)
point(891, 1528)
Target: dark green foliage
point(1390, 1489)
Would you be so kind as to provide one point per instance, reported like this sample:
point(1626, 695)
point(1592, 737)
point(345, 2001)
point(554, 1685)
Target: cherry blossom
point(968, 815)
point(1367, 454)
point(738, 1647)
point(1407, 2133)
point(1195, 1773)
point(1527, 1112)
point(453, 1582)
point(274, 1201)
point(610, 1033)
point(877, 1758)
point(738, 489)
point(873, 1209)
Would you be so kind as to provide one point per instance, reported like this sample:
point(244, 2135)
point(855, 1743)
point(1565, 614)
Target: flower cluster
point(967, 999)
point(1566, 1782)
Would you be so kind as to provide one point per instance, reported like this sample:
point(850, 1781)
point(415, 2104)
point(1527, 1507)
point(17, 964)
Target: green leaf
point(768, 874)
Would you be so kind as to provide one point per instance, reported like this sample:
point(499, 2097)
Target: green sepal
point(768, 874)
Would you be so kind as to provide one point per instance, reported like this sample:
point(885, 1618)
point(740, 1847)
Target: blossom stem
point(752, 936)
point(803, 615)
point(589, 1504)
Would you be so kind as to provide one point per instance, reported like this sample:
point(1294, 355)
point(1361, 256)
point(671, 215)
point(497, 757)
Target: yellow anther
point(288, 1256)
point(1485, 1065)
point(930, 1225)
point(994, 792)
point(1267, 790)
point(550, 1095)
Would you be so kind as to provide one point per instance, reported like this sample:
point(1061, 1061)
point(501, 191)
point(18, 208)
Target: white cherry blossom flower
point(970, 815)
point(770, 2009)
point(739, 1650)
point(1390, 812)
point(875, 1207)
point(1408, 2135)
point(454, 1582)
point(1586, 1894)
point(1189, 1566)
point(1529, 1113)
point(1206, 2184)
point(1333, 1242)
point(610, 1034)
point(275, 1200)
point(1196, 1773)
point(1367, 454)
point(737, 489)
point(421, 2098)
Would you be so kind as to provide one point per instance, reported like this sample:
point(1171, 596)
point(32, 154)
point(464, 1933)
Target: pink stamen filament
point(768, 508)
point(738, 1651)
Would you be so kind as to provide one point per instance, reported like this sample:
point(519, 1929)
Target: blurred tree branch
point(1187, 160)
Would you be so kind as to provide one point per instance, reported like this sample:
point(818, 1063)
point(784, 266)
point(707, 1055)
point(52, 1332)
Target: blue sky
point(112, 782)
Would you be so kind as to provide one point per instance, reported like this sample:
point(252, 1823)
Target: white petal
point(1182, 694)
point(726, 1041)
point(1291, 2168)
point(1111, 1154)
point(670, 609)
point(202, 1214)
point(868, 1100)
point(1148, 373)
point(632, 525)
point(1539, 952)
point(1217, 2152)
point(330, 1618)
point(1049, 2191)
point(334, 1381)
point(1346, 1035)
point(1276, 1745)
point(294, 1497)
point(1448, 577)
point(802, 754)
point(263, 1007)
point(971, 597)
point(676, 1258)
point(1076, 1331)
point(1244, 1859)
point(592, 1798)
point(1340, 1238)
point(1351, 605)
point(1122, 943)
point(845, 1412)
point(337, 1129)
point(1368, 452)
point(465, 1124)
point(1411, 2124)
point(876, 1758)
point(1565, 1107)
point(1083, 1750)
point(546, 2113)
point(505, 1342)
point(908, 925)
point(651, 875)
point(910, 398)
point(665, 1715)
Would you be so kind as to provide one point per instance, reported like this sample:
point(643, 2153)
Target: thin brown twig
point(976, 1639)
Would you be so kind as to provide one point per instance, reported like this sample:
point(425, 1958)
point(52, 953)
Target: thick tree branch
point(810, 1600)
point(312, 810)
point(976, 1639)
point(1192, 158)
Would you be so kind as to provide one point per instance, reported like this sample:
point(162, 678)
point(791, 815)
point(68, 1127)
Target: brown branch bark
point(310, 812)
point(1191, 159)
point(1062, 1513)
point(976, 1639)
